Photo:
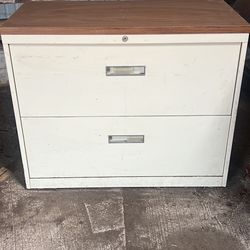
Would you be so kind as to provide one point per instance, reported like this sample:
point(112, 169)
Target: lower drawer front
point(90, 147)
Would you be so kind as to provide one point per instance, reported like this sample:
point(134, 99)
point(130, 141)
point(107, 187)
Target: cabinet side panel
point(14, 96)
point(234, 110)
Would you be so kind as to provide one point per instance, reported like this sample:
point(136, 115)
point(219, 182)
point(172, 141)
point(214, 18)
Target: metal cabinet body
point(124, 110)
point(67, 107)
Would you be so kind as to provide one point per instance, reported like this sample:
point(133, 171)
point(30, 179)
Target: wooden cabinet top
point(126, 17)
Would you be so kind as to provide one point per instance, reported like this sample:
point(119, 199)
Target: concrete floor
point(129, 218)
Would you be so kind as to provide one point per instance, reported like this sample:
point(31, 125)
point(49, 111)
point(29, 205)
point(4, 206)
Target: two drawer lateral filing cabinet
point(125, 94)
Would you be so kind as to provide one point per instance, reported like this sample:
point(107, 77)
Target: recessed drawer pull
point(126, 138)
point(125, 70)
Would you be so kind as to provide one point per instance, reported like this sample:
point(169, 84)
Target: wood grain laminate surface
point(130, 17)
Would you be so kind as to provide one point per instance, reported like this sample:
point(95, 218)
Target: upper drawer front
point(75, 80)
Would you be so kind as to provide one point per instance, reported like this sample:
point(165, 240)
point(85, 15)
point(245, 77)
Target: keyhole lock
point(124, 39)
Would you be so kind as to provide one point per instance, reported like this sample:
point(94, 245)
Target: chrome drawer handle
point(125, 70)
point(126, 138)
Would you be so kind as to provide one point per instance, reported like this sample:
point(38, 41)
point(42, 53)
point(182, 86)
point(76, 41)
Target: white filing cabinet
point(104, 110)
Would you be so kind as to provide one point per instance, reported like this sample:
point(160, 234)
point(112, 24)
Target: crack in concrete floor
point(130, 218)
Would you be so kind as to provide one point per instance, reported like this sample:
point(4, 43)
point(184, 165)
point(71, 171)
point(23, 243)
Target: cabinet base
point(106, 182)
